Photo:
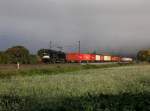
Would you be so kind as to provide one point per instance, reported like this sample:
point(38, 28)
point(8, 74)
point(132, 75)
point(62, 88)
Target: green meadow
point(76, 88)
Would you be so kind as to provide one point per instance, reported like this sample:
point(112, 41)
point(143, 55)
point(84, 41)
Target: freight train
point(52, 56)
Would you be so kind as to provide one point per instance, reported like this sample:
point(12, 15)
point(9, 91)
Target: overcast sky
point(105, 25)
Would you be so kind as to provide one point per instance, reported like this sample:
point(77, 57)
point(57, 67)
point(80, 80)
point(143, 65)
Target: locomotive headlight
point(46, 57)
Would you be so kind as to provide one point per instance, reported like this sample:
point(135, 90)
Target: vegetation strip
point(54, 70)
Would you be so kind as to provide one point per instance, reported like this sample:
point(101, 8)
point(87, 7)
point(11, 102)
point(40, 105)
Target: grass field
point(76, 88)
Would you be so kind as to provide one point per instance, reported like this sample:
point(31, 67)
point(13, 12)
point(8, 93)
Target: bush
point(18, 54)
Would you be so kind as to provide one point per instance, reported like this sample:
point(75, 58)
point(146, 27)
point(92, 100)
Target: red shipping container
point(115, 59)
point(73, 57)
point(101, 58)
point(85, 57)
point(76, 57)
point(92, 57)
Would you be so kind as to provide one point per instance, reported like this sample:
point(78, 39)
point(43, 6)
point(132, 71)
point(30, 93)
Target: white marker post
point(18, 65)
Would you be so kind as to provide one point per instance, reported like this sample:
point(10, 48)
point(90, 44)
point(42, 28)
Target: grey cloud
point(109, 25)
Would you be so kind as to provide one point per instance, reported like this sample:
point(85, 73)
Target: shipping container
point(101, 58)
point(76, 57)
point(115, 58)
point(107, 58)
point(126, 59)
point(73, 57)
point(85, 57)
point(98, 58)
point(92, 58)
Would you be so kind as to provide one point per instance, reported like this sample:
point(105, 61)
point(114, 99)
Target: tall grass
point(106, 89)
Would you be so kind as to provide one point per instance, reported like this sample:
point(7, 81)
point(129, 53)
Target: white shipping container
point(107, 58)
point(98, 57)
point(125, 59)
